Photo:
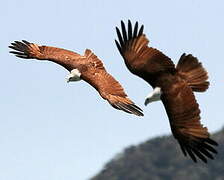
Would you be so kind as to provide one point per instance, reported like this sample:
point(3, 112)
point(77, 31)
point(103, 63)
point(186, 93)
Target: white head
point(153, 96)
point(73, 76)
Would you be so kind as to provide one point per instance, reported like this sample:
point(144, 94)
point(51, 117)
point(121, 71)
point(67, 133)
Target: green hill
point(161, 159)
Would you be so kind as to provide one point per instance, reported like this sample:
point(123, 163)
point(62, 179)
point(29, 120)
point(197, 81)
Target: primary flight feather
point(173, 85)
point(87, 67)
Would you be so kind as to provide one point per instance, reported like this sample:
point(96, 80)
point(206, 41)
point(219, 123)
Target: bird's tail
point(193, 72)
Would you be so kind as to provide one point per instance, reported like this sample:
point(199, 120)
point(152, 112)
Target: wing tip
point(129, 108)
point(20, 49)
point(135, 110)
point(212, 142)
point(126, 33)
point(201, 149)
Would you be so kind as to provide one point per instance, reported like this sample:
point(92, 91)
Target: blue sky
point(51, 130)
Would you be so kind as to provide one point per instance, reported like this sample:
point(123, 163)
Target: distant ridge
point(161, 159)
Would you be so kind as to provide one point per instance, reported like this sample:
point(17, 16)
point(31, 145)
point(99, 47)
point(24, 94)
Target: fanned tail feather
point(193, 72)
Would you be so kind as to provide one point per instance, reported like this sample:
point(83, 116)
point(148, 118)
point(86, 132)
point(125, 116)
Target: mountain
point(161, 159)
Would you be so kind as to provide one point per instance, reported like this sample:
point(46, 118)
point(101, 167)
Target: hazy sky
point(51, 130)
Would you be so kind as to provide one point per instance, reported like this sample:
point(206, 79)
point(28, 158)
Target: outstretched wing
point(141, 60)
point(184, 116)
point(60, 56)
point(89, 65)
point(107, 86)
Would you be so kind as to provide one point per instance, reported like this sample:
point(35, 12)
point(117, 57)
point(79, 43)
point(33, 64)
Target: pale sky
point(51, 130)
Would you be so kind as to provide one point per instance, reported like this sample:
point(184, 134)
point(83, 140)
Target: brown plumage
point(90, 67)
point(177, 86)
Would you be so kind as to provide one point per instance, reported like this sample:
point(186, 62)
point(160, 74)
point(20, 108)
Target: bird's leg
point(153, 96)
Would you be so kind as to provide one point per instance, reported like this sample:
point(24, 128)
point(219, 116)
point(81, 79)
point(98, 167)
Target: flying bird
point(87, 67)
point(175, 86)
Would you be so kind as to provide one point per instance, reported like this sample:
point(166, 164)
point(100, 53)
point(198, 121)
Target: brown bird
point(87, 67)
point(173, 85)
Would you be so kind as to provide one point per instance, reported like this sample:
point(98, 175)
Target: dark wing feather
point(107, 86)
point(60, 56)
point(184, 116)
point(139, 58)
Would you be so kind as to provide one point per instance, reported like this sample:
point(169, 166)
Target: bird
point(87, 67)
point(173, 85)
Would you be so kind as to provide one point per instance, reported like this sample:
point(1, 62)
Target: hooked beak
point(147, 101)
